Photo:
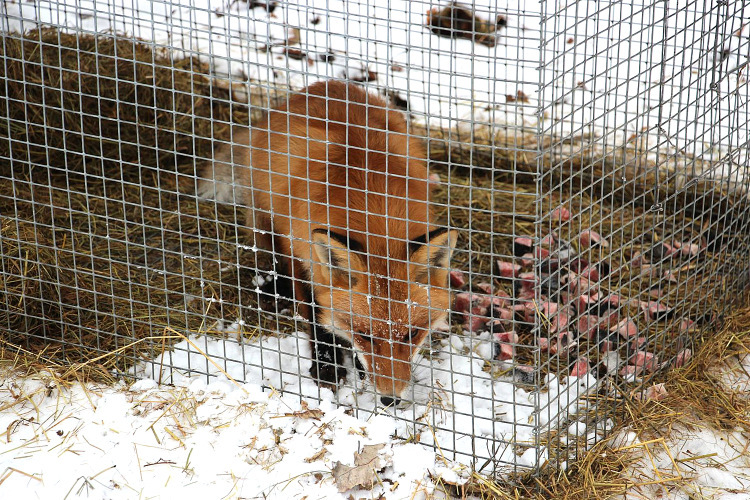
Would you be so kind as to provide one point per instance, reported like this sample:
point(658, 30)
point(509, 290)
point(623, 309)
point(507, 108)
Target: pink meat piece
point(656, 293)
point(507, 337)
point(476, 323)
point(606, 346)
point(503, 313)
point(644, 361)
point(457, 279)
point(587, 326)
point(610, 319)
point(583, 302)
point(591, 238)
point(465, 301)
point(580, 368)
point(488, 301)
point(686, 326)
point(560, 214)
point(638, 260)
point(626, 328)
point(656, 392)
point(671, 276)
point(683, 357)
point(637, 343)
point(545, 344)
point(508, 270)
point(563, 342)
point(686, 249)
point(591, 273)
point(541, 253)
point(506, 352)
point(524, 241)
point(559, 322)
point(653, 309)
point(479, 309)
point(527, 260)
point(549, 308)
point(549, 242)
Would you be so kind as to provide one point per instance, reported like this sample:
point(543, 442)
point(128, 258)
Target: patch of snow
point(453, 404)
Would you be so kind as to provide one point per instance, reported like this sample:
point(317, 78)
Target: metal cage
point(590, 158)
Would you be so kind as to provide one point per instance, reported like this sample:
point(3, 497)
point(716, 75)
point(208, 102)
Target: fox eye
point(412, 334)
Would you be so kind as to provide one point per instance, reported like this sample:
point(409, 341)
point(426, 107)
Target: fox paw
point(328, 374)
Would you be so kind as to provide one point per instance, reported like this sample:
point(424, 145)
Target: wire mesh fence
point(488, 222)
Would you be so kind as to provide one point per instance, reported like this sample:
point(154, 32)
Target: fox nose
point(389, 401)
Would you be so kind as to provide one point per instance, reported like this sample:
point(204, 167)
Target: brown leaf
point(347, 477)
point(295, 54)
point(364, 472)
point(370, 455)
point(314, 414)
point(294, 36)
point(519, 97)
point(320, 454)
point(455, 21)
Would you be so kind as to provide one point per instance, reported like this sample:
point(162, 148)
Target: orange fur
point(336, 158)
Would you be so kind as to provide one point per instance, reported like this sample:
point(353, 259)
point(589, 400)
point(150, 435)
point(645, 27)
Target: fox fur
point(343, 188)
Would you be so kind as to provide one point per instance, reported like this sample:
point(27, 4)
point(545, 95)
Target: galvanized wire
point(629, 118)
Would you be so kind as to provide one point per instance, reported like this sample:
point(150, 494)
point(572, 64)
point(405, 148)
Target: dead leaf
point(347, 477)
point(314, 414)
point(458, 21)
point(295, 54)
point(364, 473)
point(320, 454)
point(294, 36)
point(370, 455)
point(519, 97)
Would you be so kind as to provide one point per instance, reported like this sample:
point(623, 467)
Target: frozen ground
point(223, 440)
point(710, 463)
point(656, 76)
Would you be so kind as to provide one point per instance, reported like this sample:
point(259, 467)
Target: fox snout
point(390, 369)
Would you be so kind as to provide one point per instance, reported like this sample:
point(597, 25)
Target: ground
point(230, 440)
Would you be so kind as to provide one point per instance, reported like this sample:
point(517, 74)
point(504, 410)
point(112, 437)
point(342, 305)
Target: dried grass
point(100, 249)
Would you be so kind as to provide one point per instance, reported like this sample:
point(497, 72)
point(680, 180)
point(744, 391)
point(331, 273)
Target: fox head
point(384, 306)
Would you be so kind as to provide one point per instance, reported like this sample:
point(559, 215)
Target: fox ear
point(337, 255)
point(430, 256)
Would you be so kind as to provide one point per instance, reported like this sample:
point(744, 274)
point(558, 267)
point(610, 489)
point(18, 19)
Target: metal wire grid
point(681, 112)
point(156, 252)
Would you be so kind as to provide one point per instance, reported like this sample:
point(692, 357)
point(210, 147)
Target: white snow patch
point(455, 403)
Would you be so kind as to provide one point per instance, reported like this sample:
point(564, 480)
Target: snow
point(229, 440)
point(200, 441)
point(664, 78)
point(710, 462)
point(713, 463)
point(202, 434)
point(458, 404)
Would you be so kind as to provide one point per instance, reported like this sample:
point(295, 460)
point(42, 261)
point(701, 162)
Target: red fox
point(335, 177)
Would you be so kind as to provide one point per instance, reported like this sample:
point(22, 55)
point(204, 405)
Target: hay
point(695, 395)
point(99, 247)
